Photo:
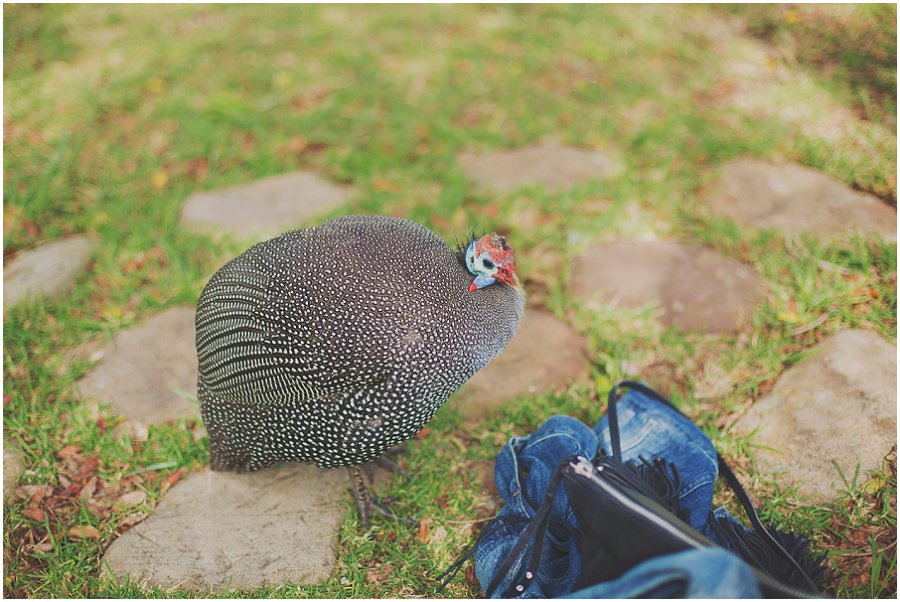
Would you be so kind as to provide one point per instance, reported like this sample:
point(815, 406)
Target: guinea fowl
point(332, 344)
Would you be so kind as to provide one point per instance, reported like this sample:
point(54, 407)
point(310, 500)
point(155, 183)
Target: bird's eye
point(488, 264)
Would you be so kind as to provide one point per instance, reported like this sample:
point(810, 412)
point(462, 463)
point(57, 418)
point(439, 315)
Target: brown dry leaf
point(423, 434)
point(32, 229)
point(422, 535)
point(470, 575)
point(171, 479)
point(81, 468)
point(383, 185)
point(84, 532)
point(377, 573)
point(67, 451)
point(39, 548)
point(36, 492)
point(159, 179)
point(35, 514)
point(87, 492)
point(198, 169)
point(438, 535)
point(11, 214)
point(130, 520)
point(132, 499)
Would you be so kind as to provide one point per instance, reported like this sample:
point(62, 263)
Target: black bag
point(628, 513)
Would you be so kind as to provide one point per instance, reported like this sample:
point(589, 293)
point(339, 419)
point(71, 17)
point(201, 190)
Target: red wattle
point(472, 288)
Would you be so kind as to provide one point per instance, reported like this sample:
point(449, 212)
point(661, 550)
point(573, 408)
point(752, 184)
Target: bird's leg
point(365, 503)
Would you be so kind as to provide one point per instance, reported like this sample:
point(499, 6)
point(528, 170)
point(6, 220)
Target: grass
point(114, 115)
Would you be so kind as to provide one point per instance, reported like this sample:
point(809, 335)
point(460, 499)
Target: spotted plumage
point(332, 344)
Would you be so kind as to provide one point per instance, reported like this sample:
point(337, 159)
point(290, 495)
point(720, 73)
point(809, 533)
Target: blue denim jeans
point(647, 429)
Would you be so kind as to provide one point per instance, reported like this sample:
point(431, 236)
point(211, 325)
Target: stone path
point(797, 199)
point(225, 530)
point(149, 372)
point(264, 208)
point(545, 354)
point(47, 270)
point(839, 404)
point(550, 164)
point(696, 288)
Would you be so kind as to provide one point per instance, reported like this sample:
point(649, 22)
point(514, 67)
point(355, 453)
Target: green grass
point(113, 115)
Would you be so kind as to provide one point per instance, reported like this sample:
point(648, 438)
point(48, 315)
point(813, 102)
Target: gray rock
point(149, 372)
point(224, 530)
point(695, 287)
point(797, 199)
point(47, 270)
point(12, 468)
point(545, 354)
point(264, 208)
point(552, 165)
point(839, 404)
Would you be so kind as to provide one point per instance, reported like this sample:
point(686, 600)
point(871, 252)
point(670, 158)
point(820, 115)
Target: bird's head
point(490, 259)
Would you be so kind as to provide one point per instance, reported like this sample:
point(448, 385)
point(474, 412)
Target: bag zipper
point(584, 468)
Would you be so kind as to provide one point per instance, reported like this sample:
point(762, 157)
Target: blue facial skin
point(482, 279)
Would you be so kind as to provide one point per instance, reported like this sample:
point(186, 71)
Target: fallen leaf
point(131, 519)
point(377, 573)
point(69, 450)
point(438, 535)
point(132, 499)
point(39, 548)
point(382, 185)
point(470, 575)
point(423, 434)
point(171, 479)
point(156, 84)
point(87, 492)
point(84, 532)
point(198, 168)
point(36, 492)
point(35, 514)
point(159, 179)
point(422, 535)
point(81, 468)
point(32, 229)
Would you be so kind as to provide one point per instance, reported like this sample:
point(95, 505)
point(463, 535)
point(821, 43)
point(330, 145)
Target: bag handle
point(724, 470)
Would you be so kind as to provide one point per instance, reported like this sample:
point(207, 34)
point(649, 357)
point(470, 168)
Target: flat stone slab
point(47, 270)
point(696, 288)
point(545, 354)
point(552, 165)
point(149, 372)
point(839, 404)
point(264, 208)
point(223, 530)
point(797, 199)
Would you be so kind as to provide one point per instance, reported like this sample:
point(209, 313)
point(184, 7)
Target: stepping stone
point(149, 372)
point(696, 288)
point(839, 404)
point(225, 530)
point(797, 200)
point(545, 354)
point(265, 208)
point(12, 468)
point(552, 165)
point(48, 270)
